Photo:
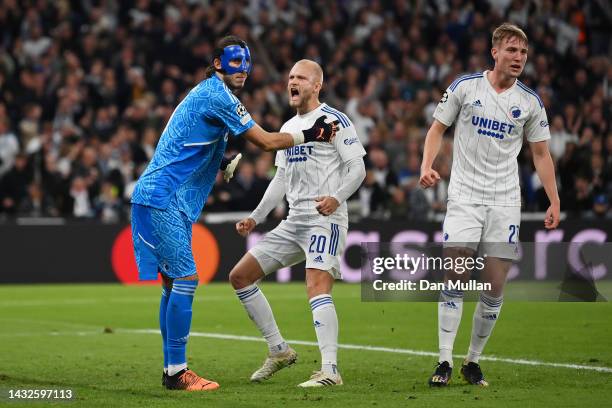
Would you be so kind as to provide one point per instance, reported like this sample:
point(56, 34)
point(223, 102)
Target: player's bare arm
point(546, 171)
point(433, 141)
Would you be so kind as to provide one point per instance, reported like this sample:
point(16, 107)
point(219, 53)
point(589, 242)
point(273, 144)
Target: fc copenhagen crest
point(515, 111)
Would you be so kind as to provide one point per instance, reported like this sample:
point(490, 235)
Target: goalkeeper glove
point(321, 131)
point(228, 166)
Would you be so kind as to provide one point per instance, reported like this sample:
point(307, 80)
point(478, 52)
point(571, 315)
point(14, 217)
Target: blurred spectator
point(579, 200)
point(9, 146)
point(247, 188)
point(361, 114)
point(373, 197)
point(398, 206)
point(37, 203)
point(220, 197)
point(559, 137)
point(379, 185)
point(108, 204)
point(81, 206)
point(87, 88)
point(14, 184)
point(601, 207)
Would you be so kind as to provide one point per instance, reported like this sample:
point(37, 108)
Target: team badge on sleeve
point(444, 97)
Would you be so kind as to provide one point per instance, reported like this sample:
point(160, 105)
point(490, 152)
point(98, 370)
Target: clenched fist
point(244, 227)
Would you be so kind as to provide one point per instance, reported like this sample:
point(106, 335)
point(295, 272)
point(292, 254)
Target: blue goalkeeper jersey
point(189, 152)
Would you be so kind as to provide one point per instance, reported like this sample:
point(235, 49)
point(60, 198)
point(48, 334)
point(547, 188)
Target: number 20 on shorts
point(317, 244)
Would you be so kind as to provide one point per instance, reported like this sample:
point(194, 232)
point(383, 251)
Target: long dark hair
point(221, 44)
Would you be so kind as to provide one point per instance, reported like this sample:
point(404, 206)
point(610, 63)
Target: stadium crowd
point(86, 88)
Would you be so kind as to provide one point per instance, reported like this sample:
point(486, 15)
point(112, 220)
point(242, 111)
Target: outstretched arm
point(269, 141)
point(321, 131)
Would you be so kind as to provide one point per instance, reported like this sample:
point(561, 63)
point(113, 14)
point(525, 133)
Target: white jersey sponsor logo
point(316, 169)
point(489, 130)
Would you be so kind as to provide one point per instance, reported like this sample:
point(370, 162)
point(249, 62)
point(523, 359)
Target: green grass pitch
point(84, 337)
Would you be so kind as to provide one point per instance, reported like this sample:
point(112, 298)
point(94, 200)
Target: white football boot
point(274, 363)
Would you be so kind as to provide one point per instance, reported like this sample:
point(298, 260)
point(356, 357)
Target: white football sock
point(450, 308)
point(326, 327)
point(175, 368)
point(485, 315)
point(259, 311)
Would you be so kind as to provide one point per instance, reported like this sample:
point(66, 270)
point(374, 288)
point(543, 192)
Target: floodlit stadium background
point(86, 88)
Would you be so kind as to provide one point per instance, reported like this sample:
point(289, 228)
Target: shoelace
point(192, 378)
point(272, 364)
point(315, 374)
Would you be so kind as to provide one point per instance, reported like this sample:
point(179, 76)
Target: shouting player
point(317, 179)
point(171, 193)
point(493, 111)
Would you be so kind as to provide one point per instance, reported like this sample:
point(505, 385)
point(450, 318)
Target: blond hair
point(507, 30)
point(315, 68)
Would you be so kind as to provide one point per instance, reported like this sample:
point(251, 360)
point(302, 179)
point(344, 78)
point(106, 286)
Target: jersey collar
point(485, 76)
point(311, 113)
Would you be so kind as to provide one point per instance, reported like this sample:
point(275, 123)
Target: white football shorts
point(492, 230)
point(321, 246)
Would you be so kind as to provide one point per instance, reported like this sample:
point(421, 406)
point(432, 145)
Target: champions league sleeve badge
point(241, 110)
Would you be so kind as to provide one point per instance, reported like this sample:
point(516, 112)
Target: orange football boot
point(187, 380)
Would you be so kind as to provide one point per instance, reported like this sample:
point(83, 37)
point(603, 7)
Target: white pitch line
point(223, 336)
point(119, 300)
point(53, 333)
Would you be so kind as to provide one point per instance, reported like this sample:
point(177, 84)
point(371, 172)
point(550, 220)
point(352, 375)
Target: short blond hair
point(507, 30)
point(317, 71)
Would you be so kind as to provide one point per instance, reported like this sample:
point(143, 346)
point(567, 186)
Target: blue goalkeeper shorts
point(162, 242)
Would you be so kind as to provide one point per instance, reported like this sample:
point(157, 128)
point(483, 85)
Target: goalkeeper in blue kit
point(170, 194)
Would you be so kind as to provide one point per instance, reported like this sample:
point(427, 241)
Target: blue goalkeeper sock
point(163, 306)
point(178, 323)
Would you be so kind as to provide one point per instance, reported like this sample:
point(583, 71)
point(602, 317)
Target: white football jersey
point(316, 169)
point(489, 133)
